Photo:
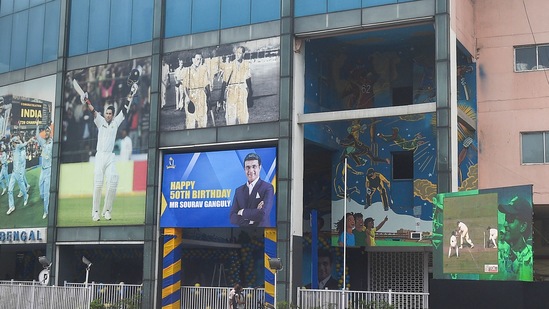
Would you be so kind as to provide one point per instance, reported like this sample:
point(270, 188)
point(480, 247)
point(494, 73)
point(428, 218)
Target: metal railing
point(113, 295)
point(193, 297)
point(338, 299)
point(33, 295)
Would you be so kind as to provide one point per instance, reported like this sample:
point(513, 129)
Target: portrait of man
point(325, 264)
point(238, 79)
point(253, 201)
point(195, 83)
point(515, 247)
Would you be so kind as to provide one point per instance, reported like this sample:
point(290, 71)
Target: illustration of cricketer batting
point(46, 144)
point(105, 166)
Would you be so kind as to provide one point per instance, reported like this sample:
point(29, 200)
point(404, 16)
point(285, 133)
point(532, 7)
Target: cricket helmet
point(133, 77)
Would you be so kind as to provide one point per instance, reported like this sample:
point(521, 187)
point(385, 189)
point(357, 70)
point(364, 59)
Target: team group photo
point(26, 144)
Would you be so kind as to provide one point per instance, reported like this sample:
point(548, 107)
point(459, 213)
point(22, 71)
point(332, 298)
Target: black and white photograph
point(224, 85)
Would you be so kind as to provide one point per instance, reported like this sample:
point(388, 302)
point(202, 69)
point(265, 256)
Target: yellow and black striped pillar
point(171, 268)
point(270, 252)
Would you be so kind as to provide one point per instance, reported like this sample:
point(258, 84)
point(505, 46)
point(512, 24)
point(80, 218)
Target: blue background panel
point(35, 38)
point(235, 13)
point(265, 10)
point(19, 40)
point(178, 18)
point(205, 15)
point(120, 23)
point(142, 21)
point(78, 31)
point(51, 31)
point(98, 38)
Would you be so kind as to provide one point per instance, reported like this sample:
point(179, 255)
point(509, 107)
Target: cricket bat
point(79, 90)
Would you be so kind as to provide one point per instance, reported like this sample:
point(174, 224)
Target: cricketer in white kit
point(105, 166)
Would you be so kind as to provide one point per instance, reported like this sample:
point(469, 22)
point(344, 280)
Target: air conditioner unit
point(415, 235)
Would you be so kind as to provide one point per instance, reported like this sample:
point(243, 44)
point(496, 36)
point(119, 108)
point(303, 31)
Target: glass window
point(178, 18)
point(341, 5)
point(19, 5)
point(142, 21)
point(525, 58)
point(205, 15)
point(51, 31)
point(35, 37)
point(6, 7)
point(99, 25)
point(543, 57)
point(19, 40)
point(235, 13)
point(5, 36)
point(370, 3)
point(120, 23)
point(309, 7)
point(36, 2)
point(78, 31)
point(533, 147)
point(265, 10)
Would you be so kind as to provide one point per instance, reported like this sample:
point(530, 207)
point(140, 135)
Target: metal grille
point(397, 271)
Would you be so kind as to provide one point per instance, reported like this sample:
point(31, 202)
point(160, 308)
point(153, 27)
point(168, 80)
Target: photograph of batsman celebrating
point(105, 165)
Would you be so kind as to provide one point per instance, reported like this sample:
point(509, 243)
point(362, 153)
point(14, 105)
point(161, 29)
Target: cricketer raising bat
point(79, 90)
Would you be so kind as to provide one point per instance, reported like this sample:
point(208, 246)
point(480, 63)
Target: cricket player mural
point(26, 145)
point(224, 85)
point(104, 141)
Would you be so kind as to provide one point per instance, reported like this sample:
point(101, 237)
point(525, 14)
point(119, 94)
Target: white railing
point(193, 297)
point(34, 296)
point(338, 299)
point(113, 295)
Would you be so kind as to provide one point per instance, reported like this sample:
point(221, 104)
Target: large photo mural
point(26, 142)
point(224, 85)
point(104, 144)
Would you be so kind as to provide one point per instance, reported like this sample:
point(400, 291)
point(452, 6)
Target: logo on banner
point(171, 163)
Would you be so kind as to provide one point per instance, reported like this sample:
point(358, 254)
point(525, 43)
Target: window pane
point(341, 5)
point(235, 13)
point(20, 5)
point(265, 10)
point(546, 147)
point(178, 18)
point(532, 148)
point(19, 40)
point(5, 36)
point(98, 38)
point(525, 58)
point(142, 21)
point(6, 7)
point(205, 15)
point(309, 7)
point(78, 36)
point(120, 23)
point(51, 31)
point(543, 57)
point(36, 2)
point(36, 35)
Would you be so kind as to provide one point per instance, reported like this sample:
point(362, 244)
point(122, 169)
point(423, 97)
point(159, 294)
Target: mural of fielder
point(492, 238)
point(340, 178)
point(453, 245)
point(355, 148)
point(375, 182)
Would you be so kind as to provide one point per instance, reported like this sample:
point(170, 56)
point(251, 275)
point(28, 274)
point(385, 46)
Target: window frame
point(545, 146)
point(537, 66)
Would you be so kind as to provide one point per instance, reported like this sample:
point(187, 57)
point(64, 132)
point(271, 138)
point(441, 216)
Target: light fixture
point(44, 261)
point(88, 266)
point(275, 264)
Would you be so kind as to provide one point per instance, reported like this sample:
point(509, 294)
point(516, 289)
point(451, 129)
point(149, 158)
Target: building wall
point(510, 102)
